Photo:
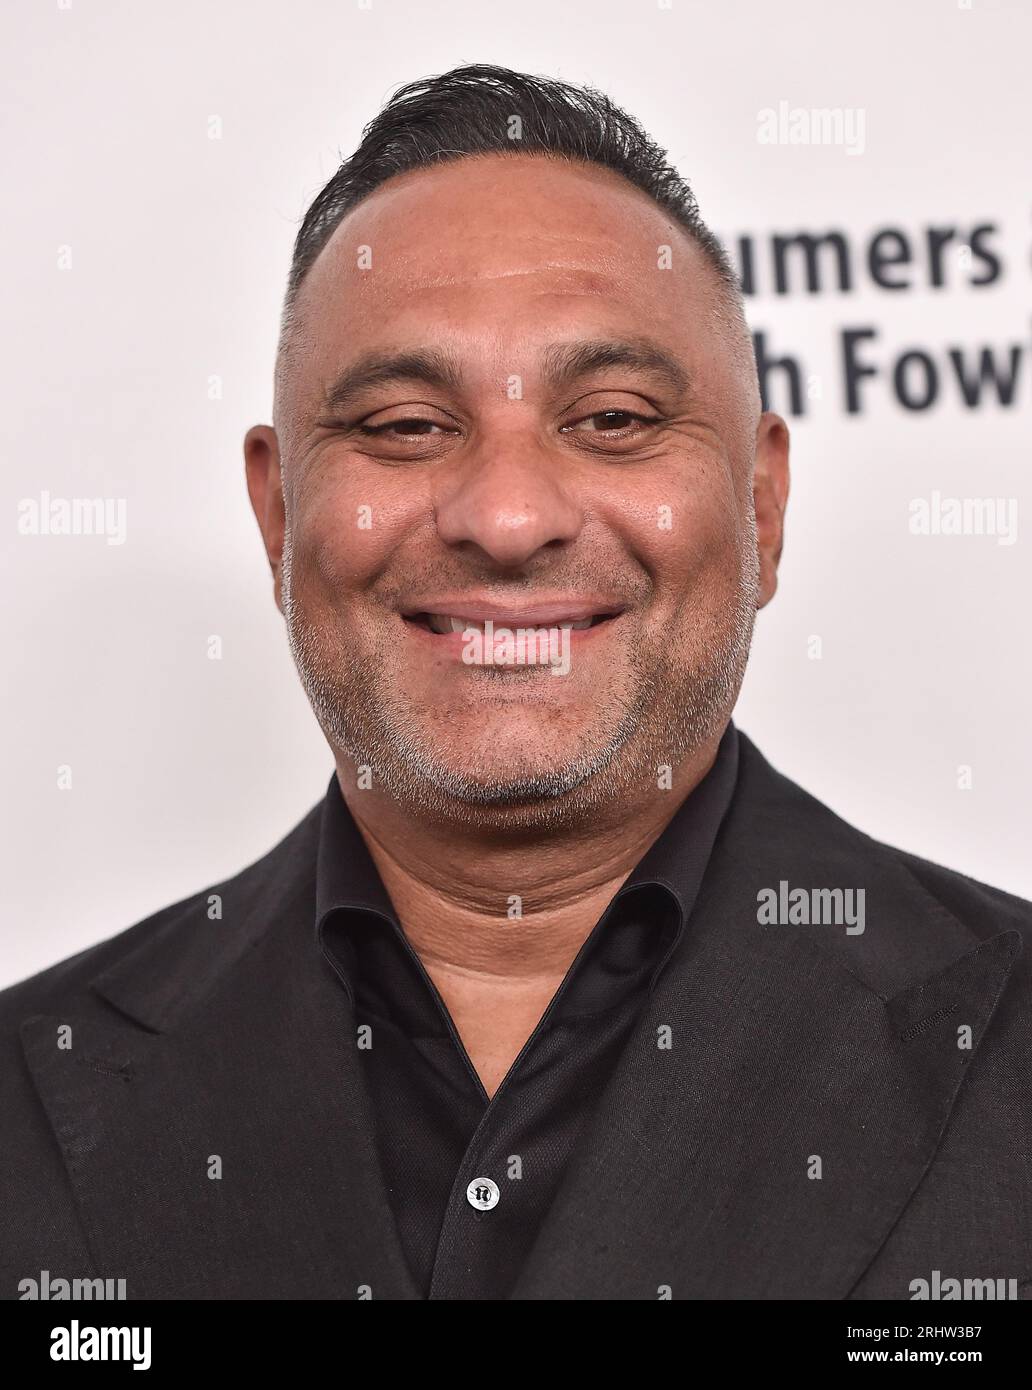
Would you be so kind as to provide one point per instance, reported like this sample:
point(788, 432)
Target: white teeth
point(445, 623)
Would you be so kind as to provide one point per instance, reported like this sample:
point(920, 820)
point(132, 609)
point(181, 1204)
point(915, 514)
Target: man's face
point(520, 471)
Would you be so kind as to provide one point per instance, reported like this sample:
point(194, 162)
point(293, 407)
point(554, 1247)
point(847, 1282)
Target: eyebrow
point(564, 363)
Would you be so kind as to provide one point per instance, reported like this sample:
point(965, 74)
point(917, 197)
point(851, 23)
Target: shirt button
point(483, 1194)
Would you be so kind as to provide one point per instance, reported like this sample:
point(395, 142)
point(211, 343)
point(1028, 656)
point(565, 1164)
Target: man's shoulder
point(799, 815)
point(985, 908)
point(237, 902)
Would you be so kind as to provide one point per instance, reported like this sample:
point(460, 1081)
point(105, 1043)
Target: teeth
point(445, 623)
point(439, 622)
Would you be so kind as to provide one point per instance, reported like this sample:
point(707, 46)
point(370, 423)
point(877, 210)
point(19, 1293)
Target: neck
point(476, 902)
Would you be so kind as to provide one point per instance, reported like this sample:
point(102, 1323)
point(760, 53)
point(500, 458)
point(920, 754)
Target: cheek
point(347, 528)
point(683, 525)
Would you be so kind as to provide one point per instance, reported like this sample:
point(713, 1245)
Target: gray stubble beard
point(366, 731)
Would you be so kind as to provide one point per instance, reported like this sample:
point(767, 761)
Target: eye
point(615, 423)
point(402, 427)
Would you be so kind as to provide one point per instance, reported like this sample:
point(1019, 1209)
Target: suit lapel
point(793, 1050)
point(251, 1072)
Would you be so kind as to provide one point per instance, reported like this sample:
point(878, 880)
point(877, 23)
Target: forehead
point(497, 256)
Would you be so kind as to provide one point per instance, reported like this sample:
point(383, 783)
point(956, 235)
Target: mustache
point(627, 589)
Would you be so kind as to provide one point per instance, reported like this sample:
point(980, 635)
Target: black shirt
point(437, 1132)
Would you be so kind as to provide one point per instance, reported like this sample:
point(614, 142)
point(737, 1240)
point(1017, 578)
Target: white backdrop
point(143, 267)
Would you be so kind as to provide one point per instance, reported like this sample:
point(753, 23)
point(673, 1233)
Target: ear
point(770, 497)
point(265, 488)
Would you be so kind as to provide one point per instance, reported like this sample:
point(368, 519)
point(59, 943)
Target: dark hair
point(467, 111)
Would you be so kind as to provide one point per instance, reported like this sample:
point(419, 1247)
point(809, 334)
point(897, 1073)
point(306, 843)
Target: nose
point(508, 498)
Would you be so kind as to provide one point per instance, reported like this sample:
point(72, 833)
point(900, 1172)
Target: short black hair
point(470, 111)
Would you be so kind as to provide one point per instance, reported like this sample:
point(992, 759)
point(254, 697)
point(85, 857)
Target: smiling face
point(502, 404)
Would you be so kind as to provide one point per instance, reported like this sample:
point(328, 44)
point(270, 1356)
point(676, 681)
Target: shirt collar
point(677, 859)
point(346, 876)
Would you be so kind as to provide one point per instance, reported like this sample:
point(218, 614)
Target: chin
point(514, 784)
point(506, 783)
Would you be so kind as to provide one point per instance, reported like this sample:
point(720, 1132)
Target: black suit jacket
point(200, 1042)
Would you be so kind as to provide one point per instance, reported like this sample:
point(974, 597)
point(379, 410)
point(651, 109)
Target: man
point(562, 992)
